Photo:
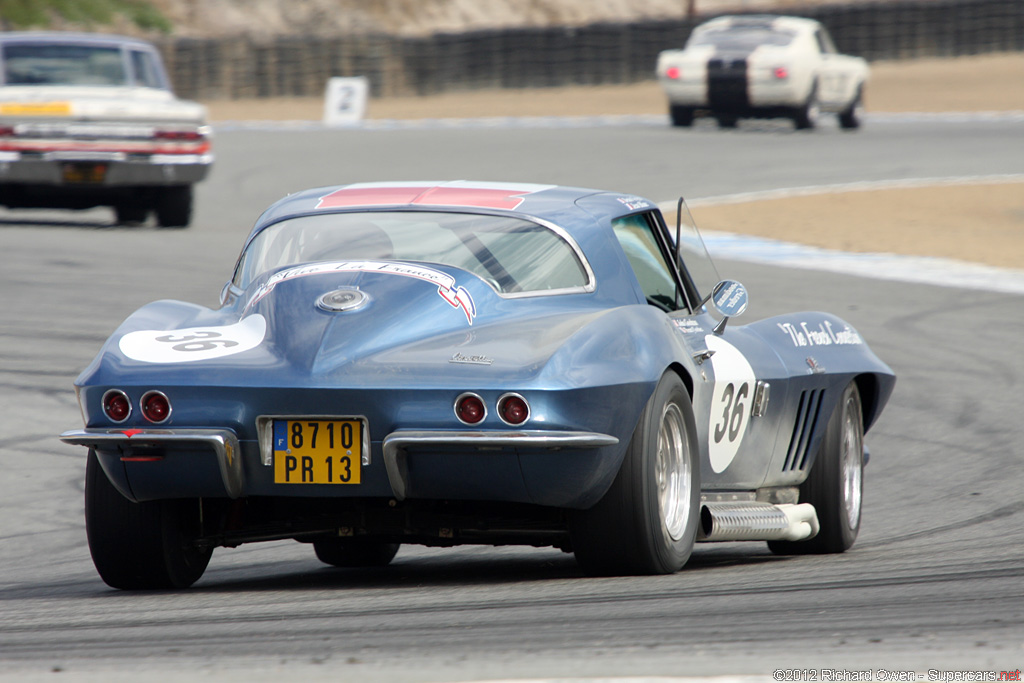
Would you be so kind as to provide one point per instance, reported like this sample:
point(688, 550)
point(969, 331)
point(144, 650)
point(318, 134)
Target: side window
point(646, 254)
point(824, 42)
point(147, 75)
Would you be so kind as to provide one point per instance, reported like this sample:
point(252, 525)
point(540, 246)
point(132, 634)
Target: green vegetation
point(24, 14)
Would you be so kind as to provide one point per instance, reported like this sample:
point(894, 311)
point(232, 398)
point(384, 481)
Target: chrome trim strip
point(223, 442)
point(395, 444)
point(265, 433)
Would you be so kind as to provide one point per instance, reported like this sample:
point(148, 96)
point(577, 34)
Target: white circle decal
point(194, 343)
point(730, 402)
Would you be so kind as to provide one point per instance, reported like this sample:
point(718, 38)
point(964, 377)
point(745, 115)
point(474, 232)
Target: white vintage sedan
point(762, 66)
point(90, 120)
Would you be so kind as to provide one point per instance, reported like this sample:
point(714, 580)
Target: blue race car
point(464, 362)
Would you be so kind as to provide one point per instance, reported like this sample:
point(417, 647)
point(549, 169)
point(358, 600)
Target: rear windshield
point(742, 38)
point(62, 64)
point(514, 256)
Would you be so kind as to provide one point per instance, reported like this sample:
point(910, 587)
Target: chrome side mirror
point(730, 299)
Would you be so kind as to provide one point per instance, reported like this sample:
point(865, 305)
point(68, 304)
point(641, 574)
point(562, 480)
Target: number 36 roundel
point(194, 343)
point(730, 402)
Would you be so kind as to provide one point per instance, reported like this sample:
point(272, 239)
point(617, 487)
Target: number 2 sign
point(345, 100)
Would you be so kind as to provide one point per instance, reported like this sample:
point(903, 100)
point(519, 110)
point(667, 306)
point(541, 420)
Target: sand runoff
point(980, 223)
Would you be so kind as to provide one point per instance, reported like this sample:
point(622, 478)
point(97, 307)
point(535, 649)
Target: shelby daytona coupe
point(762, 66)
point(459, 362)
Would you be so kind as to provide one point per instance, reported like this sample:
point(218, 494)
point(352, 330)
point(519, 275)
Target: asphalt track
point(935, 582)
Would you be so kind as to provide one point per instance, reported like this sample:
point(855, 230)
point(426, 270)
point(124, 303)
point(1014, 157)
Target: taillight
point(513, 409)
point(181, 135)
point(673, 72)
point(7, 131)
point(155, 406)
point(781, 73)
point(470, 408)
point(116, 405)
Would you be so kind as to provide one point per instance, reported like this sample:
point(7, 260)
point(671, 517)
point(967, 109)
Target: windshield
point(741, 38)
point(512, 255)
point(694, 254)
point(63, 64)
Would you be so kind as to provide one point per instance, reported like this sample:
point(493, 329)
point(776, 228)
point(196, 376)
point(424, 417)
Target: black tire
point(174, 206)
point(131, 213)
point(680, 115)
point(852, 117)
point(805, 117)
point(642, 525)
point(355, 552)
point(727, 121)
point(834, 485)
point(139, 546)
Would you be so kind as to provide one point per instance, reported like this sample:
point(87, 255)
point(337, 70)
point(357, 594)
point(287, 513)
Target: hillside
point(263, 18)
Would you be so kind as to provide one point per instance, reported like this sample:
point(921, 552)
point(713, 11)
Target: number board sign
point(345, 100)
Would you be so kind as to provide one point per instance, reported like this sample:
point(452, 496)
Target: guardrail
point(596, 54)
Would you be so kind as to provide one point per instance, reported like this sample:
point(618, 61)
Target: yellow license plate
point(84, 173)
point(317, 451)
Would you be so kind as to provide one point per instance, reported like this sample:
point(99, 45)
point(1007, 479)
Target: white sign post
point(345, 100)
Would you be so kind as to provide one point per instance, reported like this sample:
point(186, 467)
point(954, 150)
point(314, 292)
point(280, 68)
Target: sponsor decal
point(456, 296)
point(194, 343)
point(458, 357)
point(634, 203)
point(802, 334)
point(731, 401)
point(35, 109)
point(482, 195)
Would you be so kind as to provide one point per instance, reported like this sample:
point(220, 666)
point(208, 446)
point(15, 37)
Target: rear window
point(63, 64)
point(513, 255)
point(742, 38)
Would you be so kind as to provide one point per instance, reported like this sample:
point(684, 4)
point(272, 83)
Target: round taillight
point(116, 405)
point(470, 409)
point(673, 72)
point(155, 406)
point(781, 73)
point(513, 409)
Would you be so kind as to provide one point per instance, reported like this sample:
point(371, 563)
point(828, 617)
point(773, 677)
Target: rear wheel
point(851, 117)
point(355, 552)
point(835, 484)
point(647, 521)
point(174, 206)
point(806, 116)
point(139, 546)
point(680, 115)
point(727, 121)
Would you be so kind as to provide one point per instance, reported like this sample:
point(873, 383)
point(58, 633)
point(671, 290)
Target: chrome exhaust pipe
point(750, 521)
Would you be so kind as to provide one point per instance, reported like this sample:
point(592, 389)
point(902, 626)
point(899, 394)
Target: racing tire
point(834, 485)
point(806, 116)
point(131, 213)
point(355, 552)
point(852, 117)
point(174, 206)
point(727, 121)
point(680, 115)
point(647, 521)
point(141, 546)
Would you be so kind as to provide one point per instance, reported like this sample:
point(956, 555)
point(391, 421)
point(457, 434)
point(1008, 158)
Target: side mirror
point(730, 299)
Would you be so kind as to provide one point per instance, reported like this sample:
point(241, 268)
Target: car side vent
point(806, 420)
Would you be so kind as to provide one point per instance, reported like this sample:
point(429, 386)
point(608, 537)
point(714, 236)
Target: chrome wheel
point(672, 472)
point(851, 463)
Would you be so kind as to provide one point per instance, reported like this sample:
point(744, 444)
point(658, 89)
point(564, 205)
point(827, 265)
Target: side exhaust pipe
point(750, 521)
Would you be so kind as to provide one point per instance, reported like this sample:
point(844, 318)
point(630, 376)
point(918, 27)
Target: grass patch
point(27, 14)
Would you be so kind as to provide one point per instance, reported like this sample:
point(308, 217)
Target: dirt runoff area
point(983, 223)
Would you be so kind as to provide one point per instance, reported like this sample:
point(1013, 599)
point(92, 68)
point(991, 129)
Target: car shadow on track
point(447, 569)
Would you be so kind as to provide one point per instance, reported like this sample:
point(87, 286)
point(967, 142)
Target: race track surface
point(936, 580)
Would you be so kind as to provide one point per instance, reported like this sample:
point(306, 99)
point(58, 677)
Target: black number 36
point(732, 412)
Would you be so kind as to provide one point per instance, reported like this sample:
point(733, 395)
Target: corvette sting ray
point(762, 66)
point(446, 363)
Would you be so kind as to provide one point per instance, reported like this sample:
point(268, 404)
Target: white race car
point(762, 66)
point(90, 120)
